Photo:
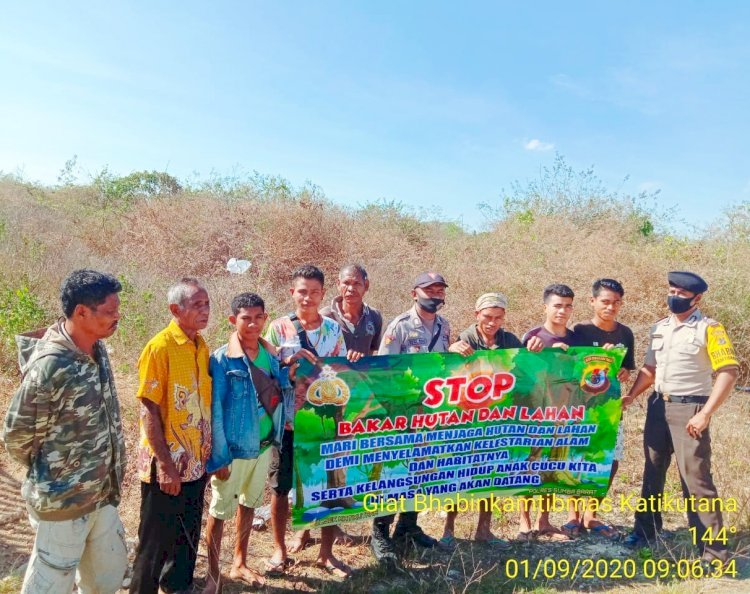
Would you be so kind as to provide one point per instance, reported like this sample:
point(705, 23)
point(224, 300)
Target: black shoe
point(382, 546)
point(634, 540)
point(413, 533)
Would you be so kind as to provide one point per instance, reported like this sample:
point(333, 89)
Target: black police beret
point(688, 281)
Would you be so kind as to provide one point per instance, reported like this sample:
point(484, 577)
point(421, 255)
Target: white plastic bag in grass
point(236, 266)
point(261, 517)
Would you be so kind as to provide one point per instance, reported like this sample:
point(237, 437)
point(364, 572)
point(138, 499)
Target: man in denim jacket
point(246, 417)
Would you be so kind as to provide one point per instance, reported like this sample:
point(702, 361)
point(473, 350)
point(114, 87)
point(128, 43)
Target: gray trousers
point(89, 550)
point(665, 433)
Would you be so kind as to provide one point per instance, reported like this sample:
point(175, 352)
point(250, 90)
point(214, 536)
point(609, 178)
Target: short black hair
point(86, 287)
point(310, 272)
point(557, 289)
point(246, 301)
point(354, 269)
point(609, 284)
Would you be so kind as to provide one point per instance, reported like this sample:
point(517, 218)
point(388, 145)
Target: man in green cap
point(487, 333)
point(684, 350)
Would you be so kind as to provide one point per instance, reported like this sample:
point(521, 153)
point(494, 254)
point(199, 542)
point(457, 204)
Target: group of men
point(227, 419)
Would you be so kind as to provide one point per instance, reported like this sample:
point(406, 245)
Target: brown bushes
point(45, 233)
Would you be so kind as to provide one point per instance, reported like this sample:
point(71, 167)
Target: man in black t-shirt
point(593, 334)
point(603, 331)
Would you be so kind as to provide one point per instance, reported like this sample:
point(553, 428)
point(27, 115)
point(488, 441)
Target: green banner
point(401, 432)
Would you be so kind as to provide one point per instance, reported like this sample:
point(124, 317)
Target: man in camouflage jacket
point(63, 426)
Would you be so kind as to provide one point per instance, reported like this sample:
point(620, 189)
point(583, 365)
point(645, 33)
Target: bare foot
point(278, 558)
point(524, 523)
point(484, 536)
point(247, 575)
point(300, 541)
point(335, 567)
point(552, 534)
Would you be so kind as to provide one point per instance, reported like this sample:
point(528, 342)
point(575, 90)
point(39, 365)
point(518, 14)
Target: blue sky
point(435, 104)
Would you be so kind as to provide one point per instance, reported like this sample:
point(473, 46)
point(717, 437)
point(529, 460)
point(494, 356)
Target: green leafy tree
point(139, 185)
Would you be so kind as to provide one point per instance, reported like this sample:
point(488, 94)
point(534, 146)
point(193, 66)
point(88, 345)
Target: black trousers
point(281, 469)
point(168, 537)
point(664, 435)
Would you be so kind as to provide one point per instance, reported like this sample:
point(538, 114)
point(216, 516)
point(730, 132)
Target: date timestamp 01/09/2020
point(613, 569)
point(629, 568)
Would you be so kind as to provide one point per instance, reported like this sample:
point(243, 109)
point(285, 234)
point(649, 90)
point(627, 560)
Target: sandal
point(605, 531)
point(341, 569)
point(448, 540)
point(529, 536)
point(277, 568)
point(572, 528)
point(499, 543)
point(553, 535)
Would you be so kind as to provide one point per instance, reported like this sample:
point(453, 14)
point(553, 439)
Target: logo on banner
point(328, 389)
point(595, 378)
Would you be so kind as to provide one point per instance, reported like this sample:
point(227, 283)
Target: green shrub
point(134, 327)
point(123, 191)
point(20, 311)
point(577, 196)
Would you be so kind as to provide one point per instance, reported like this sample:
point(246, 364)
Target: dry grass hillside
point(563, 227)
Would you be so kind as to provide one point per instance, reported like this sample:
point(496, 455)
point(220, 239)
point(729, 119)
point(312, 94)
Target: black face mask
point(430, 304)
point(678, 305)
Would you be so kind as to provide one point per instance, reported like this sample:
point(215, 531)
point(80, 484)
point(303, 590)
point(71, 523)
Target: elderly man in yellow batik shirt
point(175, 426)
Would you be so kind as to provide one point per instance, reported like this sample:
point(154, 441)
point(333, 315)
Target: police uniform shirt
point(408, 334)
point(685, 354)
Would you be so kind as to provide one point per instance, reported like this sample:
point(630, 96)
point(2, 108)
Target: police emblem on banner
point(595, 378)
point(328, 389)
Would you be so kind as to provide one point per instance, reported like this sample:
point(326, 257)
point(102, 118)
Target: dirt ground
point(470, 567)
